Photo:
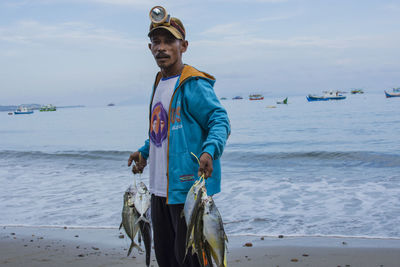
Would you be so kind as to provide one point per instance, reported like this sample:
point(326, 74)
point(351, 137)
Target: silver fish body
point(199, 245)
point(213, 232)
point(191, 210)
point(142, 201)
point(129, 218)
point(190, 201)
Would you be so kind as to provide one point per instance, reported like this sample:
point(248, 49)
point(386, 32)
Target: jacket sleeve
point(144, 150)
point(205, 107)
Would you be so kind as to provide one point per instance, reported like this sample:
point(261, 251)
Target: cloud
point(279, 17)
point(230, 29)
point(137, 3)
point(254, 1)
point(250, 26)
point(33, 33)
point(133, 3)
point(391, 7)
point(246, 35)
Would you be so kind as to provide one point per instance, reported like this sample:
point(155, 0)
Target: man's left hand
point(206, 165)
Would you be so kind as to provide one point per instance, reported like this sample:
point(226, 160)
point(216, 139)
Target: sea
point(329, 168)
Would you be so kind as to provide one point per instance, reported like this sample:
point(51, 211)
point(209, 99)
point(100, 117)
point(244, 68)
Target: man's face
point(166, 49)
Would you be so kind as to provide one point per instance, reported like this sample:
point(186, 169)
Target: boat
point(316, 98)
point(223, 98)
point(237, 98)
point(23, 110)
point(394, 94)
point(111, 105)
point(396, 90)
point(329, 95)
point(284, 101)
point(10, 113)
point(256, 97)
point(48, 108)
point(357, 91)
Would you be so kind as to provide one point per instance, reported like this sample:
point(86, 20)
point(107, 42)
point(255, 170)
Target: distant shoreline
point(33, 107)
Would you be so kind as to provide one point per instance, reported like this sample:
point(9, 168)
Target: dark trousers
point(169, 229)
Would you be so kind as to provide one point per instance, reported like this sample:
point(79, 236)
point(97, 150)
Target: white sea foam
point(305, 169)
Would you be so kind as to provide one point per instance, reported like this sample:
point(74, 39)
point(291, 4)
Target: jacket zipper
point(169, 124)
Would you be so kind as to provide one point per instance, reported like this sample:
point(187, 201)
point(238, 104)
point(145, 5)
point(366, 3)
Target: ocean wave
point(250, 158)
point(347, 158)
point(63, 155)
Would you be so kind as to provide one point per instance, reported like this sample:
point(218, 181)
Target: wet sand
point(42, 246)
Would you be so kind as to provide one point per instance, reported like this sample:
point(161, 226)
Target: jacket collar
point(187, 72)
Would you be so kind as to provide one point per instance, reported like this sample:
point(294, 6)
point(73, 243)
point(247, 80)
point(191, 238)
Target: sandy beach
point(63, 246)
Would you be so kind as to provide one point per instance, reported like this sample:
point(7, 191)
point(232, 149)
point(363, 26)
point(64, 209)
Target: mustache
point(162, 55)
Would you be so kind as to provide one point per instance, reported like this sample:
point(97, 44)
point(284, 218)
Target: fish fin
point(130, 249)
point(133, 244)
point(225, 263)
point(120, 226)
point(142, 218)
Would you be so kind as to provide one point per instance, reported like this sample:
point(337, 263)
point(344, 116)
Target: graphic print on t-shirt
point(158, 124)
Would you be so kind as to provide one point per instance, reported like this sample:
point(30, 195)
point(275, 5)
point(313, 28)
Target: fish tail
point(133, 244)
point(130, 249)
point(142, 218)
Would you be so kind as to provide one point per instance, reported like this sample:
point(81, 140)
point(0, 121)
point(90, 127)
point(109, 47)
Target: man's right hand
point(140, 162)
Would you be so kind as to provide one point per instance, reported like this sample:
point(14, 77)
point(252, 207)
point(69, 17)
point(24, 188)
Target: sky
point(95, 52)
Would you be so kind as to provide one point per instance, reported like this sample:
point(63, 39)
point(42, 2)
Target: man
point(185, 116)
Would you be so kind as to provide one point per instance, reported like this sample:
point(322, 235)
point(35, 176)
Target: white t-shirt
point(159, 135)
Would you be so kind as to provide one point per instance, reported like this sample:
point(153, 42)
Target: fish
point(191, 209)
point(191, 199)
point(130, 218)
point(213, 232)
point(142, 201)
point(207, 237)
point(199, 245)
point(145, 231)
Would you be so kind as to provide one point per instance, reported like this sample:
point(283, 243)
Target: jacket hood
point(187, 72)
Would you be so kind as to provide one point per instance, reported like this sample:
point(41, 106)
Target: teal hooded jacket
point(197, 123)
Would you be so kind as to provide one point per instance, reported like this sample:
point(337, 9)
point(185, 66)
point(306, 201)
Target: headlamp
point(158, 15)
point(161, 19)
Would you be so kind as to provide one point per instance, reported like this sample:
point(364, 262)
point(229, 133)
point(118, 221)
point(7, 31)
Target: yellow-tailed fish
point(214, 233)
